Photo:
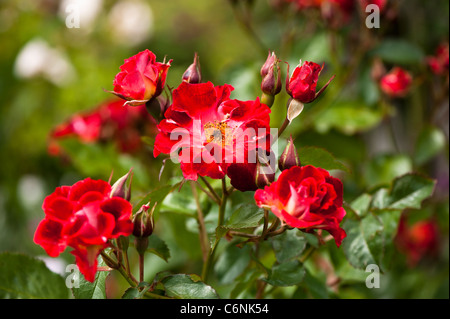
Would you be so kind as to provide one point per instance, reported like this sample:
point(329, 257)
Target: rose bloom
point(439, 62)
point(418, 240)
point(141, 77)
point(396, 83)
point(306, 198)
point(111, 121)
point(207, 132)
point(302, 84)
point(84, 217)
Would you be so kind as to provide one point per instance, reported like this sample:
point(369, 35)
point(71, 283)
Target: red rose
point(302, 84)
point(417, 240)
point(84, 217)
point(110, 121)
point(396, 83)
point(439, 62)
point(206, 131)
point(141, 78)
point(307, 198)
point(381, 4)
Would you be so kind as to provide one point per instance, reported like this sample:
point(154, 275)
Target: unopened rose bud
point(289, 157)
point(271, 59)
point(193, 74)
point(143, 221)
point(271, 80)
point(122, 187)
point(265, 173)
point(301, 85)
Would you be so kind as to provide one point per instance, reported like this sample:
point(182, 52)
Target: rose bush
point(239, 185)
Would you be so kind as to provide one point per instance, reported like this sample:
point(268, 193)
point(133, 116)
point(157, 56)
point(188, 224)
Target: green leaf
point(187, 287)
point(355, 245)
point(312, 239)
point(155, 196)
point(409, 191)
point(244, 282)
point(398, 51)
point(368, 238)
point(92, 290)
point(180, 201)
point(231, 263)
point(135, 293)
point(430, 142)
point(361, 204)
point(286, 274)
point(131, 293)
point(316, 287)
point(244, 217)
point(158, 247)
point(24, 277)
point(288, 245)
point(319, 157)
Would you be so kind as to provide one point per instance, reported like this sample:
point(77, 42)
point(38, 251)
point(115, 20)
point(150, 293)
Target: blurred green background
point(49, 72)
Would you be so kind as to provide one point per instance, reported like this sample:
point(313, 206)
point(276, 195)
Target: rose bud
point(192, 74)
point(396, 83)
point(271, 80)
point(141, 78)
point(301, 86)
point(264, 173)
point(144, 221)
point(120, 187)
point(289, 157)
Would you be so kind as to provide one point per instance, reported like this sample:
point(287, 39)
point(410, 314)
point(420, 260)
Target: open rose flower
point(396, 83)
point(301, 85)
point(141, 78)
point(306, 198)
point(85, 217)
point(207, 132)
point(418, 240)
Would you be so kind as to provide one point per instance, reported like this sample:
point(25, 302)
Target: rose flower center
point(217, 132)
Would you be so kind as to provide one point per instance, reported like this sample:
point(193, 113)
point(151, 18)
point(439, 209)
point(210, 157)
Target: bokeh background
point(49, 71)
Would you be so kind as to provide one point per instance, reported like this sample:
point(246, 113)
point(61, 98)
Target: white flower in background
point(37, 58)
point(131, 22)
point(84, 10)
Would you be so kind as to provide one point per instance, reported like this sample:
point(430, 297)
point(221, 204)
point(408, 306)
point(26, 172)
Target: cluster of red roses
point(87, 215)
point(110, 121)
